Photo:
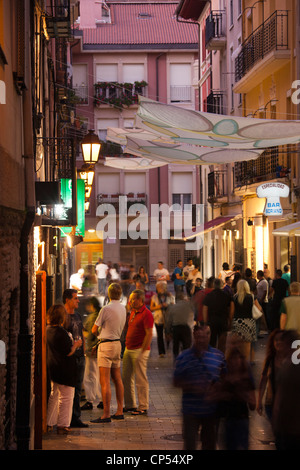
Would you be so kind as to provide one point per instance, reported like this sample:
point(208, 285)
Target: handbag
point(256, 313)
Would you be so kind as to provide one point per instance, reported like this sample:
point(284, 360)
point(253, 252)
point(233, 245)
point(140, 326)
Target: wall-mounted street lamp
point(87, 176)
point(90, 146)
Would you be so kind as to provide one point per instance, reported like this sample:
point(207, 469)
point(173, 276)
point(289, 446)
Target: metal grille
point(214, 103)
point(216, 184)
point(60, 155)
point(262, 169)
point(214, 26)
point(271, 35)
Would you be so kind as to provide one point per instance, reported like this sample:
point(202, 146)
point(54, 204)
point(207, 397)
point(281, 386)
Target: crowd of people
point(213, 329)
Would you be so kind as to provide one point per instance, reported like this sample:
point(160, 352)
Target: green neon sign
point(66, 195)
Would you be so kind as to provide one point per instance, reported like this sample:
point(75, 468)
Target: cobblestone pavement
point(161, 428)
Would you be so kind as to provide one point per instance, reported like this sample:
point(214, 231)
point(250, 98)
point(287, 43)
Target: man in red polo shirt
point(136, 354)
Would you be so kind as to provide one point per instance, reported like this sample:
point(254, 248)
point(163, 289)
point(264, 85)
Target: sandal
point(139, 412)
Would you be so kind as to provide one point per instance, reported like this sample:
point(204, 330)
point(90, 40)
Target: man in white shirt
point(262, 291)
point(101, 271)
point(161, 274)
point(111, 320)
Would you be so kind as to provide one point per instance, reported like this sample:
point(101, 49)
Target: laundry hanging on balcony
point(171, 134)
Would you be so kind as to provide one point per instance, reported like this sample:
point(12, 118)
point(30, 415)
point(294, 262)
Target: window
point(134, 183)
point(180, 83)
point(108, 183)
point(103, 124)
point(107, 73)
point(80, 82)
point(133, 73)
point(181, 199)
point(239, 7)
point(231, 12)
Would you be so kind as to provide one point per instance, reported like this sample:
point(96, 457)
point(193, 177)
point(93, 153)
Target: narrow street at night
point(161, 429)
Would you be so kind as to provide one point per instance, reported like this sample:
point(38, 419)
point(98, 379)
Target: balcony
point(180, 94)
point(214, 103)
point(113, 199)
point(118, 95)
point(263, 53)
point(58, 18)
point(272, 164)
point(215, 37)
point(217, 185)
point(81, 93)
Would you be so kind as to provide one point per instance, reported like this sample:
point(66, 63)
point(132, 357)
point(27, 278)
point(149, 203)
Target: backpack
point(173, 277)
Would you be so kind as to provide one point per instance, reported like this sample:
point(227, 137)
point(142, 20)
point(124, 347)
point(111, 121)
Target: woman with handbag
point(244, 325)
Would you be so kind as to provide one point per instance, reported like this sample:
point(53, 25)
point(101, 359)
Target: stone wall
point(11, 222)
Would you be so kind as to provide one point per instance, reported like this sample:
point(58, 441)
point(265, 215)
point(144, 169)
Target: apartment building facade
point(124, 50)
point(258, 54)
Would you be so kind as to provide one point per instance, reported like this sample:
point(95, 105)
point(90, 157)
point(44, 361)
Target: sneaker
point(87, 406)
point(100, 405)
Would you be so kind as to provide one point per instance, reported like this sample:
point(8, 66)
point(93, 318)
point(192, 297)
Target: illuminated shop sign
point(273, 192)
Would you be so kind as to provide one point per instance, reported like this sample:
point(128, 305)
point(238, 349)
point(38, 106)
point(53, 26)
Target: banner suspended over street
point(170, 134)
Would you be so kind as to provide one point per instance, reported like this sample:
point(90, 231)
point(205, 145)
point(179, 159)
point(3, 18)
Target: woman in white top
point(225, 272)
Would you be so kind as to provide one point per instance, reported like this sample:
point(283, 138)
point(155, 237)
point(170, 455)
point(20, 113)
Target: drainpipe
point(157, 99)
point(25, 336)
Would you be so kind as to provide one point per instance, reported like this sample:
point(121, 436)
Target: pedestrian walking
point(290, 309)
point(197, 370)
point(158, 306)
point(236, 396)
point(218, 310)
point(179, 323)
point(225, 271)
point(61, 365)
point(101, 271)
point(262, 295)
point(278, 291)
point(178, 279)
point(136, 354)
point(91, 379)
point(161, 274)
point(286, 410)
point(111, 321)
point(244, 325)
point(200, 296)
point(74, 326)
point(269, 377)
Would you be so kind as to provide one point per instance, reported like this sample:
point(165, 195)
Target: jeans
point(160, 339)
point(191, 425)
point(80, 368)
point(101, 285)
point(182, 334)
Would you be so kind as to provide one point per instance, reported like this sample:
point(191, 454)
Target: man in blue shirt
point(196, 371)
point(179, 281)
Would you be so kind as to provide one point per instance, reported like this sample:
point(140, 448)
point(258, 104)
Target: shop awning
point(211, 225)
point(288, 230)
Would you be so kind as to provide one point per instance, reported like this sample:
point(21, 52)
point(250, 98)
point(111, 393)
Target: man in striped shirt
point(196, 371)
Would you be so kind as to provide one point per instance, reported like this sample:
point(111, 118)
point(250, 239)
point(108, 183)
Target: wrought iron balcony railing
point(113, 199)
point(58, 18)
point(181, 94)
point(271, 35)
point(81, 93)
point(217, 185)
point(214, 103)
point(273, 163)
point(119, 95)
point(215, 37)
